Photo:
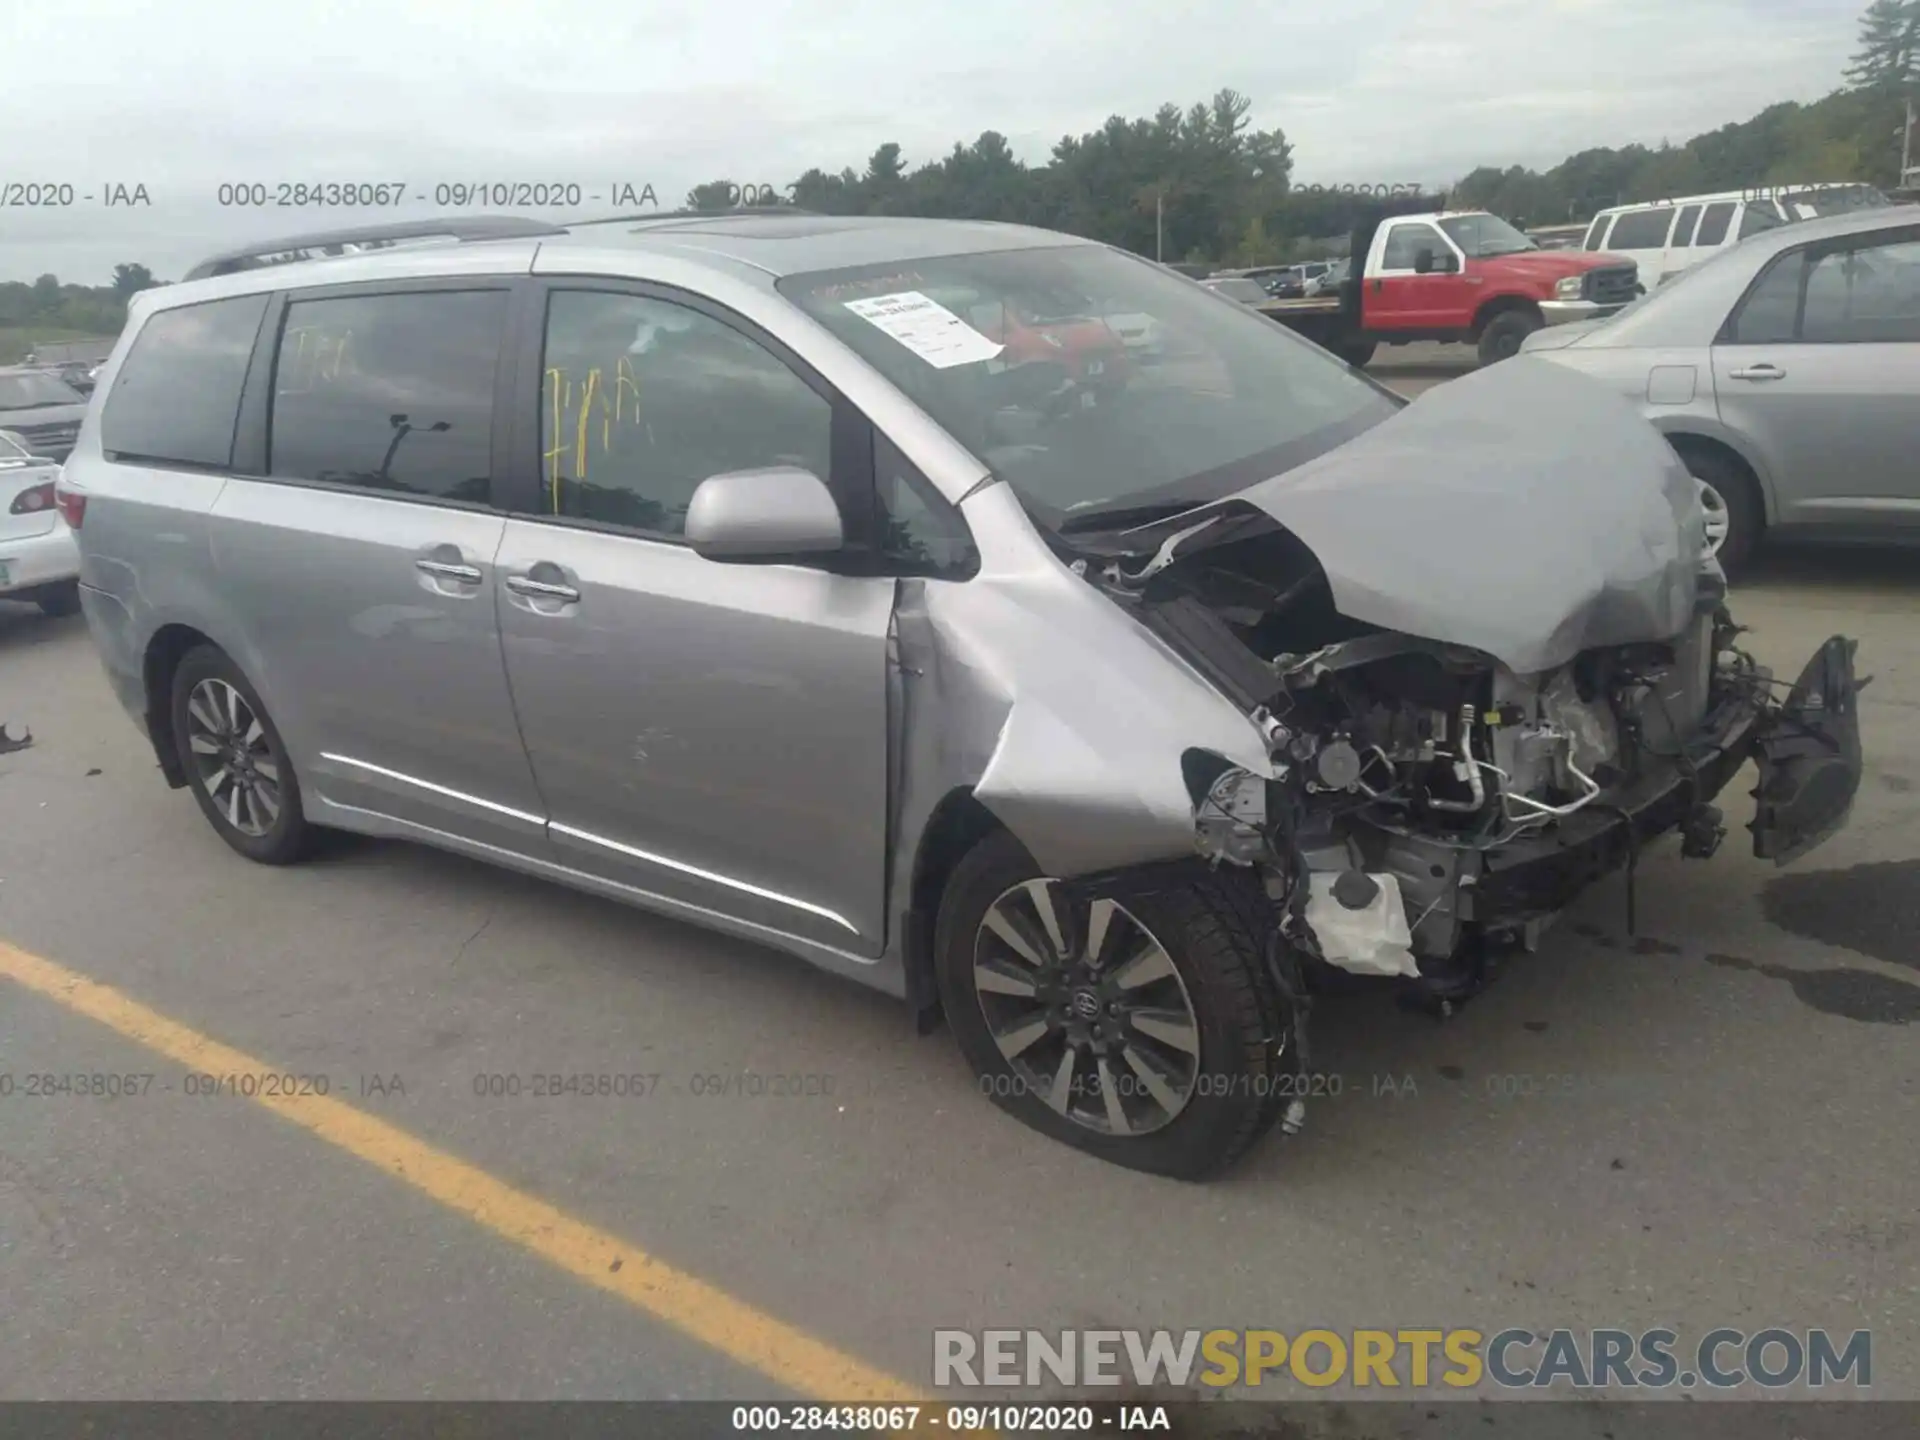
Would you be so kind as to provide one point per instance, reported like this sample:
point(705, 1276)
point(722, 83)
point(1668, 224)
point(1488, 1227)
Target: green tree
point(714, 195)
point(131, 279)
point(1889, 53)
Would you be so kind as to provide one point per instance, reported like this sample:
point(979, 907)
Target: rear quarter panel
point(146, 552)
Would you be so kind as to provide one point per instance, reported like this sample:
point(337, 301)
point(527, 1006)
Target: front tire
point(1146, 1031)
point(1358, 352)
point(1506, 333)
point(235, 762)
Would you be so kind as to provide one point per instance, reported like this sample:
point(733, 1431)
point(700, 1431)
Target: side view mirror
point(772, 514)
point(1423, 262)
point(1446, 264)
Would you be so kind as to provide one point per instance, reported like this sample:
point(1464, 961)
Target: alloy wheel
point(233, 762)
point(1087, 1008)
point(1718, 521)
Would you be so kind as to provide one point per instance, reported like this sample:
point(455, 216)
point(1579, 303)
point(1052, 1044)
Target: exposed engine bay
point(1429, 808)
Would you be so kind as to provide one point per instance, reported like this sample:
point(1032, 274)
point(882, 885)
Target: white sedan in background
point(39, 561)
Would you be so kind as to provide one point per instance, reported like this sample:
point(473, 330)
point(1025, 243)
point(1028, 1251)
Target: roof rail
point(694, 214)
point(301, 247)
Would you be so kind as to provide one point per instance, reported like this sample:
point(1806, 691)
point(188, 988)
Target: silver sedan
point(1786, 372)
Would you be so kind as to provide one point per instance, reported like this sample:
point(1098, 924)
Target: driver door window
point(642, 399)
point(1404, 244)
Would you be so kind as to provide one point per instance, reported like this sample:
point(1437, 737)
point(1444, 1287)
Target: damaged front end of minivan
point(1440, 789)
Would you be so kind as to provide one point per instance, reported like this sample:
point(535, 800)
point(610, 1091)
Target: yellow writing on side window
point(316, 355)
point(611, 400)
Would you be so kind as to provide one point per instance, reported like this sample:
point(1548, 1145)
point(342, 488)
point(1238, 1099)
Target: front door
point(359, 557)
point(1820, 366)
point(713, 734)
point(1398, 297)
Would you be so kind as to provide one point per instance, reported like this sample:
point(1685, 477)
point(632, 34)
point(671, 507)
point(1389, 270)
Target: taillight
point(29, 502)
point(73, 505)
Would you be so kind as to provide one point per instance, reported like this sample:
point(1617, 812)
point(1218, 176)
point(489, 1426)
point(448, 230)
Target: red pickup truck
point(1460, 277)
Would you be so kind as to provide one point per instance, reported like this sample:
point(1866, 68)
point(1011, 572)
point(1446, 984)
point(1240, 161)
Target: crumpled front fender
point(1063, 716)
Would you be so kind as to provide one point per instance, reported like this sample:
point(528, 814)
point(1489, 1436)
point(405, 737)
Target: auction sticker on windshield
point(927, 328)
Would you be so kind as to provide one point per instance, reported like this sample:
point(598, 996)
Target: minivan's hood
point(1524, 510)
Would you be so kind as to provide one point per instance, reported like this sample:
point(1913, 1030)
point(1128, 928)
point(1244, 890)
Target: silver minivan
point(1108, 709)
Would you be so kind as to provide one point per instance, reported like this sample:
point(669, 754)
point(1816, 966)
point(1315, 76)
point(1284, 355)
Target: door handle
point(448, 570)
point(523, 585)
point(1762, 371)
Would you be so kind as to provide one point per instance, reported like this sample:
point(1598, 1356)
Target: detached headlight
point(1570, 288)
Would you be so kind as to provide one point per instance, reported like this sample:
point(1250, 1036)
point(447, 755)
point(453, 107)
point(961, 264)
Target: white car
point(39, 561)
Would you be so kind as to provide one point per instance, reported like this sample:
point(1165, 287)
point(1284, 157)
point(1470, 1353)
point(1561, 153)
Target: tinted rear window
point(178, 392)
point(389, 392)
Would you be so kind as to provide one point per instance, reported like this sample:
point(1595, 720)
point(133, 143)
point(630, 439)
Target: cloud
point(186, 96)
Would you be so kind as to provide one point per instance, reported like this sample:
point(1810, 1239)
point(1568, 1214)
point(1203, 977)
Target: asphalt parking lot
point(1709, 1122)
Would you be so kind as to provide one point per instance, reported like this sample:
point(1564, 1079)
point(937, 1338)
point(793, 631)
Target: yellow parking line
point(756, 1340)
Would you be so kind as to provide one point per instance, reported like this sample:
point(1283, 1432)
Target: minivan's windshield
point(1010, 351)
point(36, 390)
point(1484, 236)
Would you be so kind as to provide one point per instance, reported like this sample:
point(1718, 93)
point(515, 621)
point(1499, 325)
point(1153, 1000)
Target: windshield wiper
point(40, 404)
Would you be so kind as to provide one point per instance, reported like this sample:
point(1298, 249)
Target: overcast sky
point(184, 95)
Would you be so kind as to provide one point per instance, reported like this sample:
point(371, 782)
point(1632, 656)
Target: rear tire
point(1358, 352)
point(1212, 933)
point(234, 760)
point(1506, 333)
point(1732, 504)
point(61, 600)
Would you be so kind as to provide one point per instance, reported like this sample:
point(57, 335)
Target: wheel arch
point(1686, 440)
point(956, 825)
point(167, 647)
point(1495, 306)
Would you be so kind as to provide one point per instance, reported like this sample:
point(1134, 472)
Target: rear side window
point(1866, 295)
point(177, 396)
point(1642, 229)
point(1714, 222)
point(391, 393)
point(1597, 233)
point(1683, 227)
